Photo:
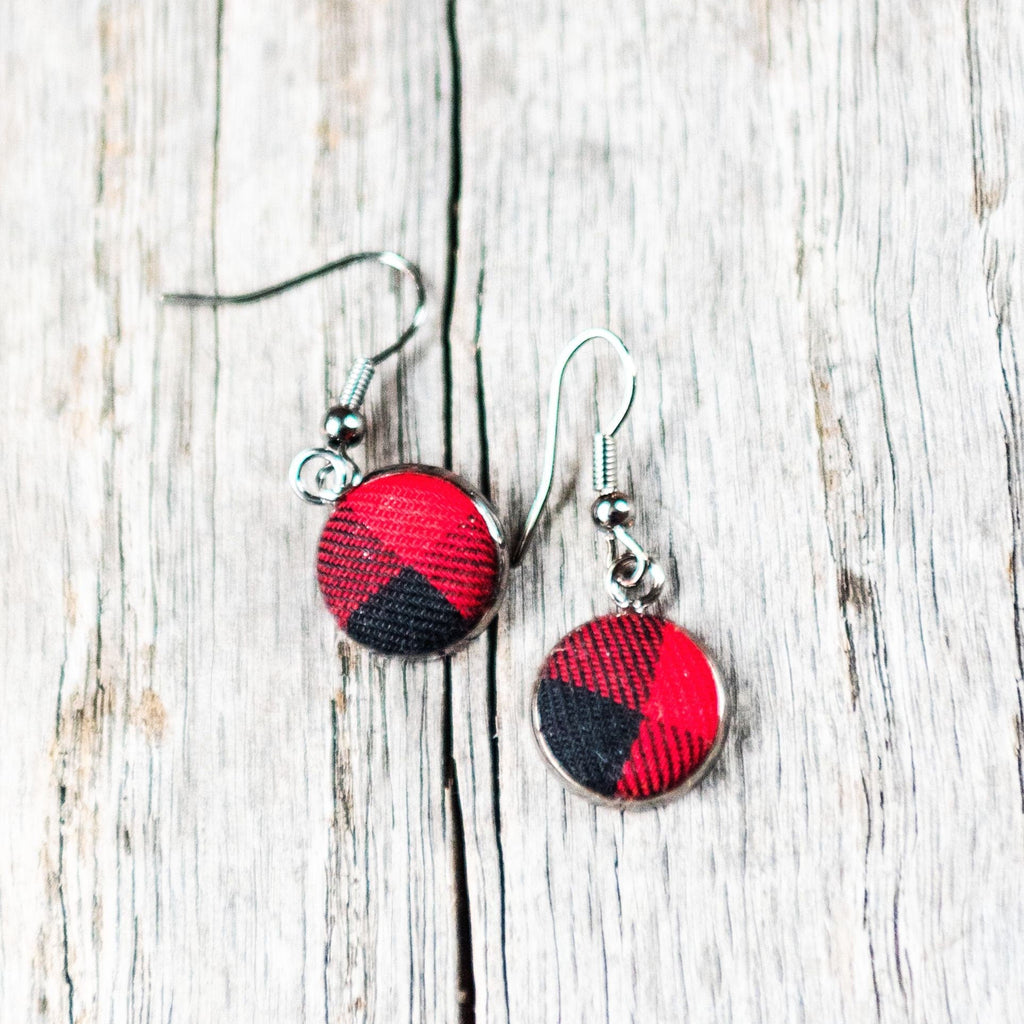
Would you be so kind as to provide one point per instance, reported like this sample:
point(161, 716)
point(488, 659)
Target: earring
point(412, 560)
point(627, 709)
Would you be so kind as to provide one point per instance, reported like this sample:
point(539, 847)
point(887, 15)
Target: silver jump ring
point(634, 552)
point(637, 595)
point(333, 465)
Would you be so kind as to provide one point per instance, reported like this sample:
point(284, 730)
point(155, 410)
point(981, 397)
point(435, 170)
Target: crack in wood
point(61, 804)
point(988, 193)
point(491, 640)
point(465, 985)
point(1011, 437)
point(454, 195)
point(65, 945)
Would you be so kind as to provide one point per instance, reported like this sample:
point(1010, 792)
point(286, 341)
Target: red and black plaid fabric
point(628, 706)
point(407, 564)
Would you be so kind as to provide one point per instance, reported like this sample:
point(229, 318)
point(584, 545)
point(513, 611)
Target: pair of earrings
point(413, 561)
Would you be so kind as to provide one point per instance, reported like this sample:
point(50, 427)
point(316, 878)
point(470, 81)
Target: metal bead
point(611, 510)
point(344, 426)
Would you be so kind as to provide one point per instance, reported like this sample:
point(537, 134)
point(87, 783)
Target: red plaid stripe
point(613, 656)
point(402, 522)
point(681, 719)
point(656, 713)
point(352, 564)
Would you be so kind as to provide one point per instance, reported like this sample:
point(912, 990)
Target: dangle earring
point(627, 709)
point(412, 560)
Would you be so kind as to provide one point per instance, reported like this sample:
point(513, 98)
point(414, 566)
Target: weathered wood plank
point(778, 208)
point(804, 220)
point(219, 816)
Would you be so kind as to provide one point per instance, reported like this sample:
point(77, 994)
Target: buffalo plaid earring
point(627, 709)
point(412, 560)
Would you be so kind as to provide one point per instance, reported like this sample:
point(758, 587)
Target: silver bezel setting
point(641, 803)
point(490, 516)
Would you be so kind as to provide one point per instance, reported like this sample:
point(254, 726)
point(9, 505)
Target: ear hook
point(344, 425)
point(387, 258)
point(604, 451)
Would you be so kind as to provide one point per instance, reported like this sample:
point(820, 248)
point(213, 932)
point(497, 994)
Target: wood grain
point(803, 218)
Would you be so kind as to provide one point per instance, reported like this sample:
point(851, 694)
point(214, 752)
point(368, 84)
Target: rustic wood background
point(803, 217)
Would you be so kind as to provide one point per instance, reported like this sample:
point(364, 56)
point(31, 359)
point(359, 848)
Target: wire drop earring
point(627, 709)
point(412, 560)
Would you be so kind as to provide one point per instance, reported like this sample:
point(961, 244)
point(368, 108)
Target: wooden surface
point(804, 219)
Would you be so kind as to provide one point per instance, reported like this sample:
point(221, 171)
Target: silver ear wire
point(634, 579)
point(384, 257)
point(344, 425)
point(607, 443)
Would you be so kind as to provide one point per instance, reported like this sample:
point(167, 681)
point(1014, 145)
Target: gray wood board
point(803, 219)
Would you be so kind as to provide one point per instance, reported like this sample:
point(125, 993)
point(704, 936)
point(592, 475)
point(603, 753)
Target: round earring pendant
point(412, 561)
point(628, 709)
